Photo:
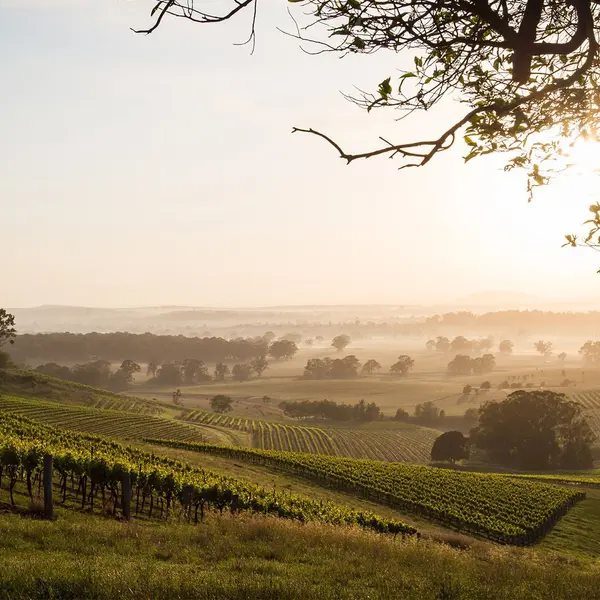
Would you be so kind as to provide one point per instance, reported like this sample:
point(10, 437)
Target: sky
point(148, 170)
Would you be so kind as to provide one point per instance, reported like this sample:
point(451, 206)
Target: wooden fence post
point(126, 496)
point(48, 504)
point(186, 493)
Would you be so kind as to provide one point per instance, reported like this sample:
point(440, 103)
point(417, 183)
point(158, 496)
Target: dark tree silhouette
point(450, 446)
point(7, 328)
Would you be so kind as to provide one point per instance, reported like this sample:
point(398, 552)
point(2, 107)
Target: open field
point(428, 381)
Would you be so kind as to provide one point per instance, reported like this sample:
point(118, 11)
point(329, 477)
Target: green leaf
point(385, 88)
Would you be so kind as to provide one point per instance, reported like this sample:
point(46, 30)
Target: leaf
point(469, 141)
point(385, 88)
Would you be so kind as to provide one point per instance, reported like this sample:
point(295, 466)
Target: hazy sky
point(139, 170)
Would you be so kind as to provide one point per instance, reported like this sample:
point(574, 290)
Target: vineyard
point(497, 507)
point(95, 472)
point(28, 383)
point(590, 401)
point(102, 422)
point(409, 444)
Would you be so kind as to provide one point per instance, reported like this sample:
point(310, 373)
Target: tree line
point(350, 366)
point(144, 348)
point(332, 411)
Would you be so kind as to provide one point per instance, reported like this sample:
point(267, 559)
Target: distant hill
point(499, 300)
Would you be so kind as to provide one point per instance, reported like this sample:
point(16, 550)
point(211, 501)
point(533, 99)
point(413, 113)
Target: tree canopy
point(526, 70)
point(450, 446)
point(221, 404)
point(7, 328)
point(535, 430)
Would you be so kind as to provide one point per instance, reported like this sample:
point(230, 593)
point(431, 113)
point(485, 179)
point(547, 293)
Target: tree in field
point(283, 349)
point(461, 344)
point(590, 352)
point(152, 369)
point(97, 373)
point(241, 372)
point(404, 364)
point(506, 347)
point(340, 342)
point(483, 364)
point(526, 72)
point(7, 328)
point(125, 374)
point(309, 342)
point(401, 415)
point(460, 365)
point(221, 371)
point(486, 385)
point(535, 430)
point(544, 348)
point(177, 396)
point(467, 389)
point(450, 447)
point(343, 368)
point(427, 413)
point(269, 336)
point(371, 366)
point(562, 357)
point(194, 371)
point(442, 344)
point(317, 368)
point(259, 365)
point(430, 345)
point(221, 404)
point(169, 374)
point(319, 338)
point(484, 345)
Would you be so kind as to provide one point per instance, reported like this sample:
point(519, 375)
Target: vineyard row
point(497, 507)
point(94, 469)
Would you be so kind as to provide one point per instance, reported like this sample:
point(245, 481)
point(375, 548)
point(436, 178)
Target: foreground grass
point(80, 556)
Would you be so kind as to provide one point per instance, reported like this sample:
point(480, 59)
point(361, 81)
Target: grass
point(242, 558)
point(578, 532)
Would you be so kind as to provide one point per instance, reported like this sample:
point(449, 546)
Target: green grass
point(578, 532)
point(243, 558)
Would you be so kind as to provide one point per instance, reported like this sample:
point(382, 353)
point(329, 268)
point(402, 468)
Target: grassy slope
point(80, 556)
point(34, 385)
point(578, 532)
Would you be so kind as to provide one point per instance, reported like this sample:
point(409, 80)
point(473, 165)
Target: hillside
point(71, 403)
point(35, 385)
point(247, 555)
point(237, 558)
